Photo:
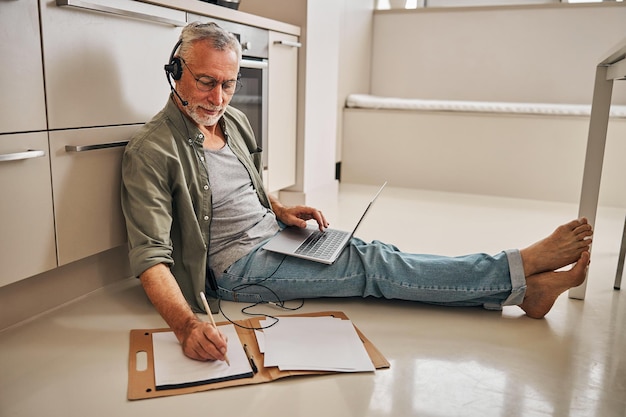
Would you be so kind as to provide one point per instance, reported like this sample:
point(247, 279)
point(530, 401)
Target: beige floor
point(445, 361)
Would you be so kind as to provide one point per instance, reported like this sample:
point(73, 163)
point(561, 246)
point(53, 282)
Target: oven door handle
point(249, 63)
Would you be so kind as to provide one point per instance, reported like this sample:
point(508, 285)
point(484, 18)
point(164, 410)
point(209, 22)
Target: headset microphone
point(183, 102)
point(175, 70)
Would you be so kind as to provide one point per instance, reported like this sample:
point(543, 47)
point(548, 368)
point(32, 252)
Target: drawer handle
point(85, 148)
point(288, 43)
point(79, 4)
point(17, 156)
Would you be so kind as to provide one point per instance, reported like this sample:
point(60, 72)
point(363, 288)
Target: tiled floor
point(444, 361)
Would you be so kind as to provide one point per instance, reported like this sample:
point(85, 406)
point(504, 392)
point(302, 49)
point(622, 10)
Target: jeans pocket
point(239, 296)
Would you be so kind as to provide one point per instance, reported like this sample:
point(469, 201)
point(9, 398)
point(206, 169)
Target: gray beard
point(205, 121)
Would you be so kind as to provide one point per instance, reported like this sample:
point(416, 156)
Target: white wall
point(355, 45)
point(318, 60)
point(505, 155)
point(333, 62)
point(542, 53)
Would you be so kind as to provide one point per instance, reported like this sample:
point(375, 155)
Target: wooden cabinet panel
point(105, 69)
point(22, 99)
point(282, 110)
point(86, 179)
point(27, 245)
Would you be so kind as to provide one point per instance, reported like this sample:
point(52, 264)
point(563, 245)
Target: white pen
point(208, 311)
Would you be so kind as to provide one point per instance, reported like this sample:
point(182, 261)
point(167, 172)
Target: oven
point(252, 98)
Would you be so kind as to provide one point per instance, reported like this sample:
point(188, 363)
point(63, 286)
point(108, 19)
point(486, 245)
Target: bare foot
point(544, 288)
point(563, 247)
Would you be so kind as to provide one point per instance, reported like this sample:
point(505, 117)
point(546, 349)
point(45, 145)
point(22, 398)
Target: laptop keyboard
point(322, 245)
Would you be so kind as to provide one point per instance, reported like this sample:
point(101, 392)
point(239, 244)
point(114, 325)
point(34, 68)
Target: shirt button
point(200, 136)
point(206, 217)
point(206, 187)
point(202, 158)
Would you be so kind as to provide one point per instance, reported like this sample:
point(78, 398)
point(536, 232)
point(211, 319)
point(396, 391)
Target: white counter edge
point(225, 13)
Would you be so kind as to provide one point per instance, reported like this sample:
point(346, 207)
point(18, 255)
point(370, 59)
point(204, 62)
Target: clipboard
point(141, 383)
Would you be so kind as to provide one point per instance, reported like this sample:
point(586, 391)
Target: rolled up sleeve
point(147, 206)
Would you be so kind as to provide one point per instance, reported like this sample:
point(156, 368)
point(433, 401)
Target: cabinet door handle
point(17, 156)
point(288, 43)
point(79, 4)
point(85, 148)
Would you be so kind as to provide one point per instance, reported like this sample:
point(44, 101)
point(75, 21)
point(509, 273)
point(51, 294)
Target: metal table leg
point(620, 261)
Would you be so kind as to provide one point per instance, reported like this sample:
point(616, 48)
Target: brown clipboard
point(141, 382)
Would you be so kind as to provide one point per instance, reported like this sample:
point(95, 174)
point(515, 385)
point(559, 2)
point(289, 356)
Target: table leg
point(620, 261)
point(594, 158)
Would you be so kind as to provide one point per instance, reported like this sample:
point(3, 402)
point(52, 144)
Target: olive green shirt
point(166, 196)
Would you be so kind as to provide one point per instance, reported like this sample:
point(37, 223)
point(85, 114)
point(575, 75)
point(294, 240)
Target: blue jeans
point(379, 270)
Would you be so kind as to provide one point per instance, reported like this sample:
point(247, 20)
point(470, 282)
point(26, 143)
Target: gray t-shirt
point(239, 220)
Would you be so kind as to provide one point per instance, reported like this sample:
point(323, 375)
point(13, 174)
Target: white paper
point(260, 340)
point(315, 343)
point(172, 367)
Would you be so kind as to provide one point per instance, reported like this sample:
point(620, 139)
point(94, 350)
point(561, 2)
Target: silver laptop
point(312, 244)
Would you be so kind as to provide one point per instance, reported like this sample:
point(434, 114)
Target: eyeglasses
point(206, 83)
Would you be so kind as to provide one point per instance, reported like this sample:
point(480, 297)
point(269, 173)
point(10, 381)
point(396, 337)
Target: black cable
point(279, 303)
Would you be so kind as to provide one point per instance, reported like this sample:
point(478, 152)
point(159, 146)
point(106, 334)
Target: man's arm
point(297, 215)
point(199, 340)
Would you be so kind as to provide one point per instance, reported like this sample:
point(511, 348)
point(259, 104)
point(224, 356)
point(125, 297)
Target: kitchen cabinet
point(63, 131)
point(22, 100)
point(86, 177)
point(104, 79)
point(106, 69)
point(27, 243)
point(282, 110)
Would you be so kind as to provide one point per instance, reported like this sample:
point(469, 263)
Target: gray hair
point(219, 38)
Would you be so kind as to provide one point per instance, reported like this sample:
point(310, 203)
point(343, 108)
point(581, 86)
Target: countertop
point(225, 13)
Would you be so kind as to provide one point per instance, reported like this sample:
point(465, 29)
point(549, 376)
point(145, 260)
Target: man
point(197, 217)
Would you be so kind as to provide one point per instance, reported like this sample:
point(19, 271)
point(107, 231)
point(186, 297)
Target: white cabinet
point(282, 110)
point(27, 245)
point(104, 78)
point(22, 99)
point(86, 178)
point(105, 69)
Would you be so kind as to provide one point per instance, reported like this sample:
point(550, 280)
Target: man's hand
point(199, 340)
point(203, 342)
point(298, 215)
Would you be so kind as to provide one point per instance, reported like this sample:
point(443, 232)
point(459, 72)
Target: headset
point(174, 69)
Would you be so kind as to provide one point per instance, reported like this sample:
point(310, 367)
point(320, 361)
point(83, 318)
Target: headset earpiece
point(174, 67)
